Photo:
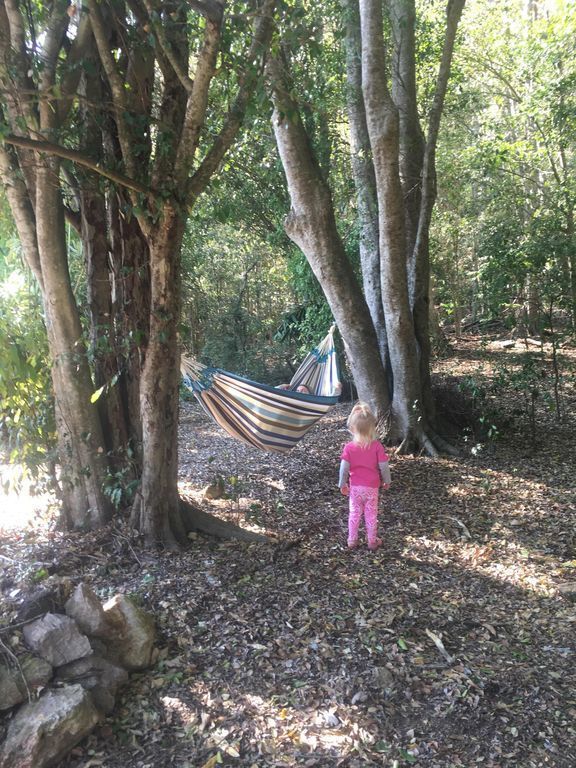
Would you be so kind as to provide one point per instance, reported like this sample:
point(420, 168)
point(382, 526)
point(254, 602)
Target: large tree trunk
point(364, 180)
point(156, 511)
point(383, 128)
point(312, 227)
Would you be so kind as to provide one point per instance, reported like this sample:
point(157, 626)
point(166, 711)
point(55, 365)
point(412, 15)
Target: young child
point(364, 464)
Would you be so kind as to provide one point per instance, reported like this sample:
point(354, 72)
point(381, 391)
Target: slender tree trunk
point(364, 180)
point(81, 442)
point(571, 237)
point(412, 142)
point(130, 284)
point(312, 227)
point(102, 332)
point(419, 265)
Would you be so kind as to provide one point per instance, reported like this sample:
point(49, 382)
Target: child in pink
point(363, 469)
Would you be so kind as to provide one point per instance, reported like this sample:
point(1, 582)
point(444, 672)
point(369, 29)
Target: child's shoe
point(376, 544)
point(352, 544)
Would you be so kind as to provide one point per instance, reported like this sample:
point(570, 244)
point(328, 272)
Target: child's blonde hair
point(362, 424)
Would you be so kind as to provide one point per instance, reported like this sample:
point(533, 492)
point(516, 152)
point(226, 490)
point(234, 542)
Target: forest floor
point(451, 646)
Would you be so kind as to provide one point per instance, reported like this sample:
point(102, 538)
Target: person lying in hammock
point(300, 388)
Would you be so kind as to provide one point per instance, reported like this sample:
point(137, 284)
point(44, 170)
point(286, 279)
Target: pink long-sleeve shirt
point(366, 463)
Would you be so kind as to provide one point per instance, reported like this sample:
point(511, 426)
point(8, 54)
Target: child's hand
point(385, 486)
point(345, 490)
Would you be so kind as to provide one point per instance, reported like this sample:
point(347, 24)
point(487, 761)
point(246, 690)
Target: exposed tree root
point(444, 446)
point(425, 441)
point(195, 519)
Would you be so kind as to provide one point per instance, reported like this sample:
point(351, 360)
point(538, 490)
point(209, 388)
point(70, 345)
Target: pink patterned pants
point(363, 502)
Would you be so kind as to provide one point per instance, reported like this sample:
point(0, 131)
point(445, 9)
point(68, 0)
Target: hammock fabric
point(263, 416)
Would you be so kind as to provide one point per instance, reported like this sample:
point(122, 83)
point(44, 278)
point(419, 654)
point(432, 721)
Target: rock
point(87, 611)
point(37, 603)
point(36, 672)
point(44, 731)
point(506, 344)
point(132, 640)
point(567, 589)
point(57, 639)
point(97, 675)
point(215, 490)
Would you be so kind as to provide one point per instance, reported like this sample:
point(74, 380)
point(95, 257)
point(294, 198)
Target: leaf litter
point(450, 647)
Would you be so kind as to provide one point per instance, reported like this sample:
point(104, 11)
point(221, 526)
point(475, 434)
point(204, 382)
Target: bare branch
point(166, 48)
point(258, 48)
point(48, 147)
point(116, 85)
point(197, 103)
point(22, 210)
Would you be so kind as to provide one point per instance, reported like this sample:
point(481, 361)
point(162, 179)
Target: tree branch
point(22, 210)
point(78, 158)
point(116, 86)
point(166, 48)
point(51, 47)
point(263, 28)
point(210, 9)
point(77, 53)
point(197, 103)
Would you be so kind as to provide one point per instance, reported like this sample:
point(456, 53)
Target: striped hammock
point(266, 417)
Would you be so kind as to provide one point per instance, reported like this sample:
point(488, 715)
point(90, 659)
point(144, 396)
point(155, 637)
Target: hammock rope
point(263, 416)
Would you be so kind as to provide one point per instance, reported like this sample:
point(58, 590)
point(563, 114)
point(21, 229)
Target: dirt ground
point(449, 647)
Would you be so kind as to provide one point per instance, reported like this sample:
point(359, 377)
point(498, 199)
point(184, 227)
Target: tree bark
point(421, 252)
point(412, 142)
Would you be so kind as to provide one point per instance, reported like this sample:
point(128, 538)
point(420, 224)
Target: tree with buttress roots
point(385, 324)
point(116, 116)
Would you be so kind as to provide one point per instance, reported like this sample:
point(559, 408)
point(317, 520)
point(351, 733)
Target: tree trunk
point(364, 180)
point(130, 282)
point(95, 247)
point(412, 142)
point(81, 442)
point(312, 227)
point(418, 167)
point(383, 128)
point(156, 510)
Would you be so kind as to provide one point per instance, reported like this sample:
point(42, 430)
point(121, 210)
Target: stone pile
point(78, 661)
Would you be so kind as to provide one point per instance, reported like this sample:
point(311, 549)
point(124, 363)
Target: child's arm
point(344, 477)
point(384, 468)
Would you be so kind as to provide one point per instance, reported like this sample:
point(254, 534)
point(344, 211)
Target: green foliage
point(506, 162)
point(120, 487)
point(236, 291)
point(27, 431)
